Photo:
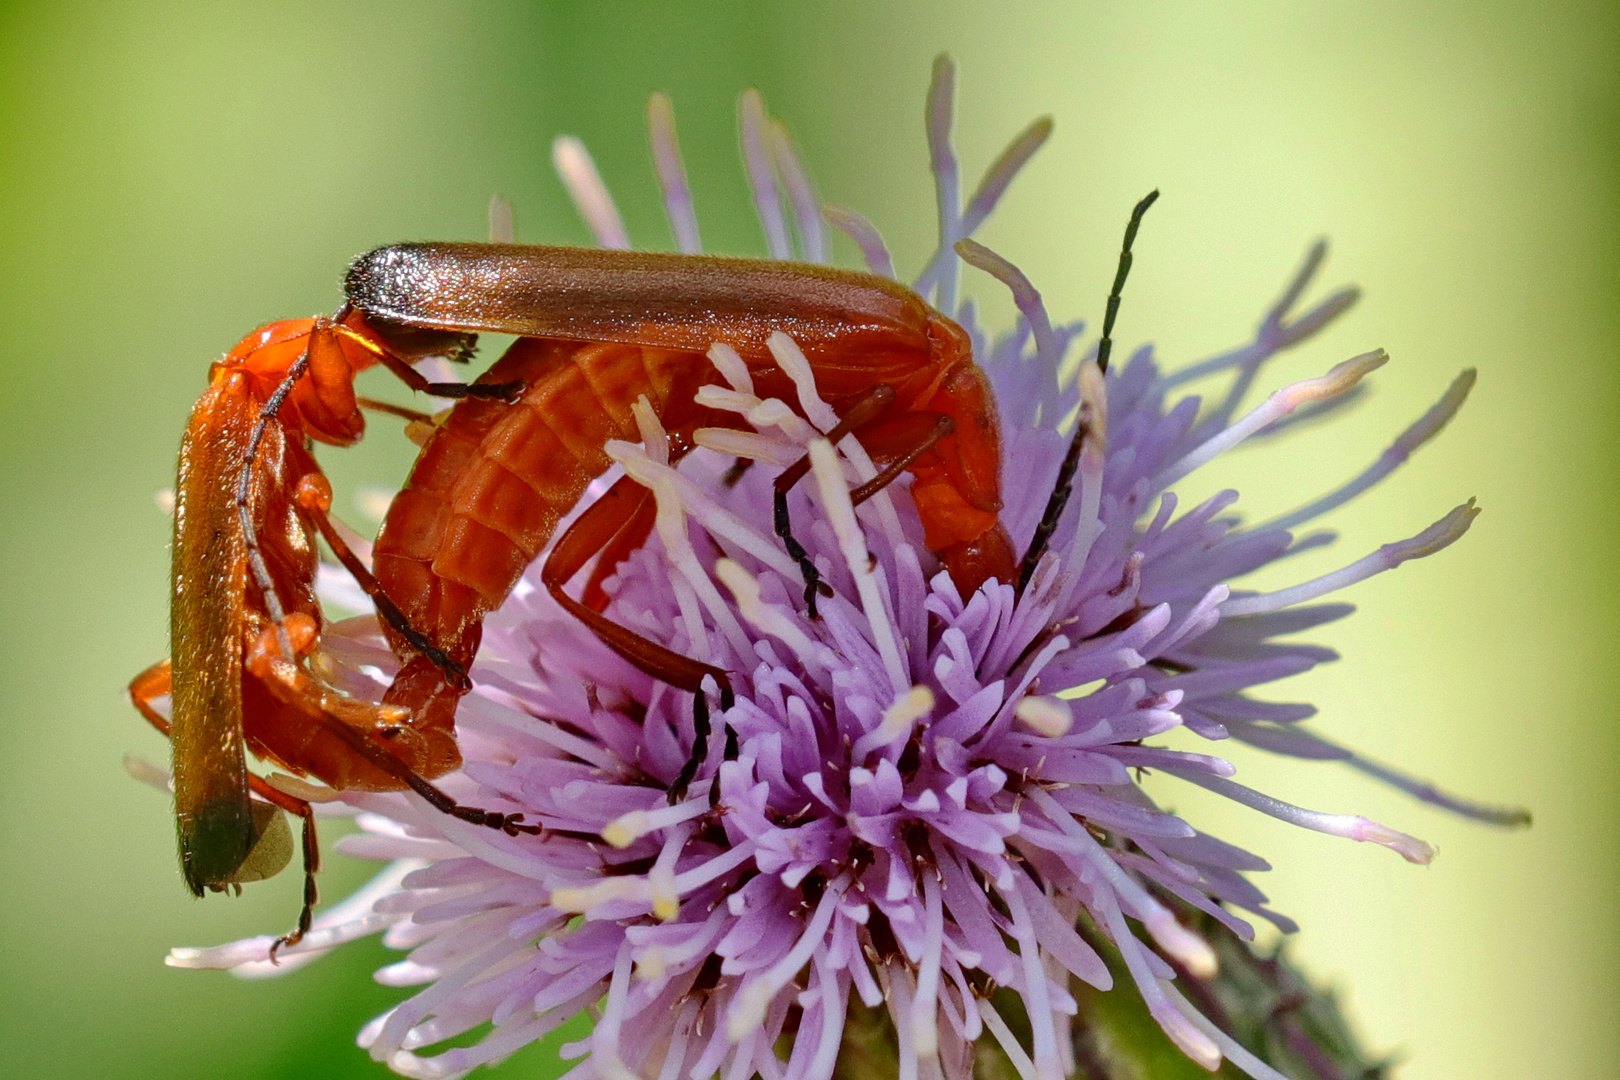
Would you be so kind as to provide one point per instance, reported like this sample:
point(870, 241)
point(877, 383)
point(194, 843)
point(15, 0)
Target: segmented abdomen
point(493, 482)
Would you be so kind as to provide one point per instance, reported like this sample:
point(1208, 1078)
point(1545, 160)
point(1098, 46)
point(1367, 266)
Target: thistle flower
point(917, 797)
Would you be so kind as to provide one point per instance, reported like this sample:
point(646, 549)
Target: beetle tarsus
point(509, 392)
point(812, 577)
point(872, 404)
point(700, 748)
point(510, 824)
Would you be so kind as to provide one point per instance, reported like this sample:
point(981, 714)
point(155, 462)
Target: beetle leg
point(362, 744)
point(613, 525)
point(866, 409)
point(637, 527)
point(314, 497)
point(419, 426)
point(700, 751)
point(151, 684)
point(414, 379)
point(504, 391)
point(312, 858)
point(353, 722)
point(157, 681)
point(733, 750)
point(902, 440)
point(415, 416)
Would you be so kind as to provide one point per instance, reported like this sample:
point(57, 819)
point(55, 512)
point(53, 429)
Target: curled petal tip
point(1340, 377)
point(1437, 537)
point(1407, 847)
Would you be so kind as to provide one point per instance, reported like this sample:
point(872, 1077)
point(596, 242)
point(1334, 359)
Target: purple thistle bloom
point(916, 797)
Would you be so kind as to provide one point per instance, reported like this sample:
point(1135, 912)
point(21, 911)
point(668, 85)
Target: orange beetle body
point(600, 329)
point(249, 502)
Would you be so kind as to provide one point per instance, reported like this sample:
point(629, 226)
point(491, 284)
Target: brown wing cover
point(840, 318)
point(209, 580)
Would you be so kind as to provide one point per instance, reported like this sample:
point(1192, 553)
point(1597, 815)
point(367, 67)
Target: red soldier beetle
point(249, 502)
point(599, 329)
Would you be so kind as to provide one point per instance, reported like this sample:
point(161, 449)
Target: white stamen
point(731, 368)
point(865, 235)
point(703, 873)
point(627, 828)
point(752, 1000)
point(672, 174)
point(832, 1020)
point(748, 444)
point(897, 984)
point(1048, 716)
point(1175, 939)
point(578, 173)
point(1094, 403)
point(1349, 826)
point(666, 904)
point(502, 224)
point(1009, 1043)
point(1233, 1049)
point(1037, 998)
point(1436, 537)
point(719, 522)
point(670, 521)
point(605, 1059)
point(925, 1006)
point(349, 920)
point(653, 435)
point(767, 618)
point(801, 193)
point(661, 882)
point(1425, 428)
point(1341, 378)
point(1192, 1041)
point(841, 515)
point(757, 162)
point(897, 722)
point(762, 415)
point(692, 585)
point(145, 772)
point(582, 898)
point(164, 497)
point(792, 360)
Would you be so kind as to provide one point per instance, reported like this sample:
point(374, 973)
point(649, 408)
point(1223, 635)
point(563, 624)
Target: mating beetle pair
point(597, 331)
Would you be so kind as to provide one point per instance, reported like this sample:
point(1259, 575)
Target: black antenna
point(1071, 460)
point(244, 511)
point(1106, 345)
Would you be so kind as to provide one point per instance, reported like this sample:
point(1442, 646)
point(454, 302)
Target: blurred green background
point(174, 174)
